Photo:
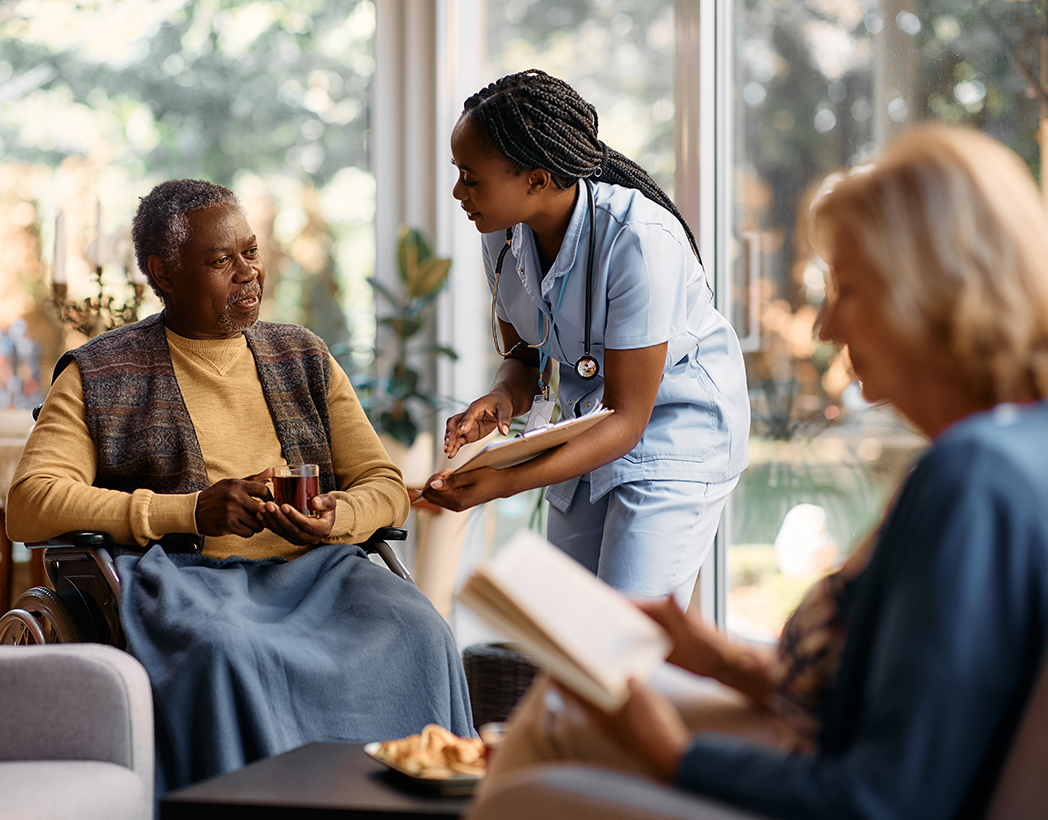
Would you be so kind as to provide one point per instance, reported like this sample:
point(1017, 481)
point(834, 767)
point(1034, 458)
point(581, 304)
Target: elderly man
point(165, 430)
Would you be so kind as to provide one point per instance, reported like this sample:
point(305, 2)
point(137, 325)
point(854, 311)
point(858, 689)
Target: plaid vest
point(142, 429)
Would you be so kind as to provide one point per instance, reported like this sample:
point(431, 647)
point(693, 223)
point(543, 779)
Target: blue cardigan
point(946, 631)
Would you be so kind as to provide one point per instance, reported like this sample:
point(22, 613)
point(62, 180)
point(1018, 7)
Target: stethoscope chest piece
point(587, 368)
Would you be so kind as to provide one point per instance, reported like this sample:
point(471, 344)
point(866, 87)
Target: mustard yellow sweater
point(51, 492)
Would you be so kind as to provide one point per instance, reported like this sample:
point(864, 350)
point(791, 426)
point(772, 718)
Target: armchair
point(589, 793)
point(76, 734)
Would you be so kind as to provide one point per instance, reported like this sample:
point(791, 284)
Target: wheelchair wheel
point(39, 617)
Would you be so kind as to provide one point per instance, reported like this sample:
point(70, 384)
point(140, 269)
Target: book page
point(567, 618)
point(480, 596)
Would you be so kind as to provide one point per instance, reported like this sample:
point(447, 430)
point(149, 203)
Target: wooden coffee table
point(326, 780)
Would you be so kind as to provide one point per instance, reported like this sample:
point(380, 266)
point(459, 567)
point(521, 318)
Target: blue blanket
point(248, 659)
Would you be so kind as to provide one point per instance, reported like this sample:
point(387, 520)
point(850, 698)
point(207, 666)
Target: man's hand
point(293, 526)
point(230, 506)
point(649, 725)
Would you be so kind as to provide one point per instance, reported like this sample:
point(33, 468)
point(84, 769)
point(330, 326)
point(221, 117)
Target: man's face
point(217, 292)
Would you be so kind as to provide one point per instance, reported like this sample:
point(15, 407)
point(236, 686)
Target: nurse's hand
point(484, 415)
point(464, 490)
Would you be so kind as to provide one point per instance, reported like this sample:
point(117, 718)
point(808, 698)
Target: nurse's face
point(492, 191)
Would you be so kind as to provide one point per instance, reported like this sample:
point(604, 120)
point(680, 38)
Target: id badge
point(541, 413)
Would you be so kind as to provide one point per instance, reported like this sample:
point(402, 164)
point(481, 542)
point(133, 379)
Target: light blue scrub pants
point(647, 539)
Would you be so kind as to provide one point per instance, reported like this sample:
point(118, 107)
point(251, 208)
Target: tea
point(296, 490)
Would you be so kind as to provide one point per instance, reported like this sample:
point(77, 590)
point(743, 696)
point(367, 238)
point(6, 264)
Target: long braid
point(537, 121)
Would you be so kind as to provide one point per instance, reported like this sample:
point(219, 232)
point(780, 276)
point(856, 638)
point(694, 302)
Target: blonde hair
point(954, 228)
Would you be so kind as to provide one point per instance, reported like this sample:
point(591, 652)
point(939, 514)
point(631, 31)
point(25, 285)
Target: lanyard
point(547, 343)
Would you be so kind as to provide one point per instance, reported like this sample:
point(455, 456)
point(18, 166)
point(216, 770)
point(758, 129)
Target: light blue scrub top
point(648, 288)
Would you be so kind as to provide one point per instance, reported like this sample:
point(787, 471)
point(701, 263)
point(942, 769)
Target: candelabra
point(96, 314)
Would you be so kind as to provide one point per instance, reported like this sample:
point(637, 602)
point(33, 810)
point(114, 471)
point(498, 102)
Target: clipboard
point(508, 453)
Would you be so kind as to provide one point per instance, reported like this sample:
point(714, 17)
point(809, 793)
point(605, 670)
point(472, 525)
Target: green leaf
point(412, 249)
point(402, 428)
point(390, 297)
point(403, 382)
point(431, 277)
point(405, 328)
point(443, 350)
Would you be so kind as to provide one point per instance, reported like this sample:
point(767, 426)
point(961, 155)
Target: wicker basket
point(498, 676)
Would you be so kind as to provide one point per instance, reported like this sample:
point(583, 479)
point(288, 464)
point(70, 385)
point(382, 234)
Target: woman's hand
point(485, 414)
point(705, 651)
point(460, 491)
point(649, 725)
point(695, 647)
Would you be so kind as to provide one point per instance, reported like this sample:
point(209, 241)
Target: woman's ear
point(158, 272)
point(539, 180)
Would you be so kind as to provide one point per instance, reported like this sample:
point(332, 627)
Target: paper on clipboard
point(502, 454)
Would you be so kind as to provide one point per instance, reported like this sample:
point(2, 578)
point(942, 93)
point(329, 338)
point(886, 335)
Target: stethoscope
point(585, 366)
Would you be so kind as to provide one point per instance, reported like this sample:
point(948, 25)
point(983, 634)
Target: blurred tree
point(216, 89)
point(618, 55)
point(218, 86)
point(819, 85)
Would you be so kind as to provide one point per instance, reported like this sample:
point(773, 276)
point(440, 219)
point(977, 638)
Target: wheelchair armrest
point(81, 539)
point(376, 545)
point(84, 539)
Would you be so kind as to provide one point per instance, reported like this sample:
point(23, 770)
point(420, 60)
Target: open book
point(583, 632)
point(526, 446)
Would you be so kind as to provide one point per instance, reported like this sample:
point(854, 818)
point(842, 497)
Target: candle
point(100, 255)
point(58, 274)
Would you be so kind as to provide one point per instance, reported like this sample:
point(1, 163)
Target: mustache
point(249, 291)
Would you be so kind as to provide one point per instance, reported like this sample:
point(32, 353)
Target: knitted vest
point(140, 425)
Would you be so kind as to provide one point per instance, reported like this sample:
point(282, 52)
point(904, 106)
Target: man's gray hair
point(161, 222)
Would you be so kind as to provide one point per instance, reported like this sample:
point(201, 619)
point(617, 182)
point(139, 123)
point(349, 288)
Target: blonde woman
point(939, 264)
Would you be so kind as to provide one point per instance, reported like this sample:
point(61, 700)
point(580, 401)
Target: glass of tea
point(295, 485)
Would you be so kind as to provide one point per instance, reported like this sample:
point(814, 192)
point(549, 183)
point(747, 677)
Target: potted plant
point(397, 399)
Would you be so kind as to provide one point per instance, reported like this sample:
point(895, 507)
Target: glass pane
point(102, 100)
point(820, 85)
point(618, 54)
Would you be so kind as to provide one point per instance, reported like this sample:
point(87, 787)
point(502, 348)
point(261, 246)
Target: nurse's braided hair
point(537, 121)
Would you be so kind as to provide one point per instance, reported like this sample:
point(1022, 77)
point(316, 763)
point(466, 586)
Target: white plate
point(454, 784)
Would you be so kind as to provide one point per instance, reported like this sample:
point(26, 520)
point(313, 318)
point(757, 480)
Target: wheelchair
point(82, 603)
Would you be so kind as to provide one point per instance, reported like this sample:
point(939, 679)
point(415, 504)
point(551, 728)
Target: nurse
point(592, 266)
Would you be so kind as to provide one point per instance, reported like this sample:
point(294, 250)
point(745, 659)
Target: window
point(102, 100)
point(817, 85)
point(618, 54)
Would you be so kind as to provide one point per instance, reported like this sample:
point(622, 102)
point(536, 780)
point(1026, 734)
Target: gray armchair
point(579, 792)
point(588, 793)
point(76, 734)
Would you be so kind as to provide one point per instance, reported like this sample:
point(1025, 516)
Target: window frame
point(702, 124)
